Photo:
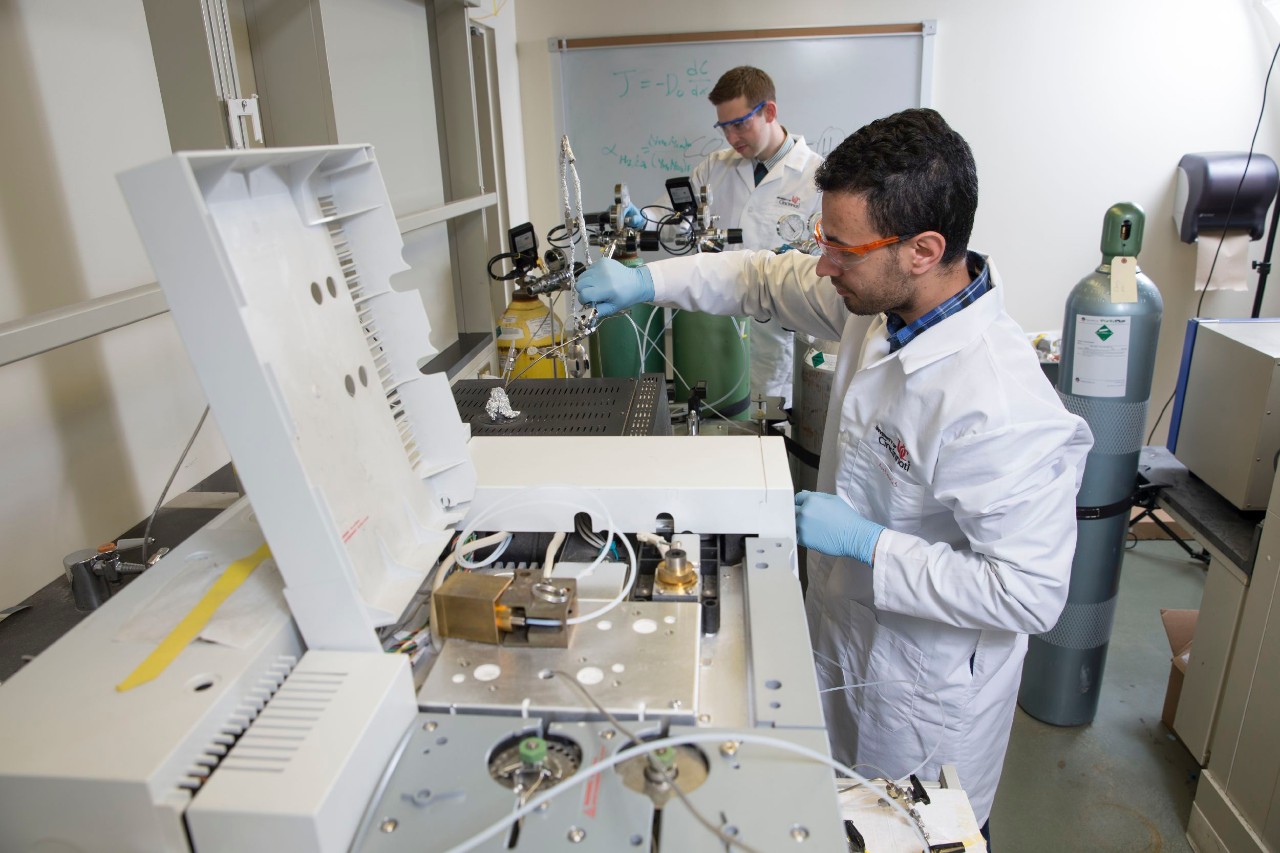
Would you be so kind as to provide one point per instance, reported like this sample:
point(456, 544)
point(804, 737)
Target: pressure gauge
point(791, 228)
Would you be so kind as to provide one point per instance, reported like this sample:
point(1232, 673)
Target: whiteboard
point(639, 114)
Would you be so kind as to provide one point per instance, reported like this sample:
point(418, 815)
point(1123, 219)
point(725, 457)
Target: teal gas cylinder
point(1108, 358)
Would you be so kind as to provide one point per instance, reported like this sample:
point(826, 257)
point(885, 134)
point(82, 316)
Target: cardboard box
point(1180, 626)
point(1148, 529)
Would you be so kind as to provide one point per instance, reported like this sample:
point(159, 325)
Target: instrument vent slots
point(364, 313)
point(282, 728)
point(215, 753)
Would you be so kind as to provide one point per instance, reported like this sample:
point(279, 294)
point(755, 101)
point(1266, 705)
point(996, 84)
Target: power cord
point(146, 534)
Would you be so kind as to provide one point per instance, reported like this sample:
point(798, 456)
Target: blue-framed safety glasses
point(735, 124)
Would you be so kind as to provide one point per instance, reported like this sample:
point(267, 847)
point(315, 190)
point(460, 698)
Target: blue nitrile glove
point(826, 523)
point(632, 217)
point(611, 286)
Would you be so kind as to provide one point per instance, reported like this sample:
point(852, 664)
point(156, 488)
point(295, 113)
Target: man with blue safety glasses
point(764, 174)
point(944, 521)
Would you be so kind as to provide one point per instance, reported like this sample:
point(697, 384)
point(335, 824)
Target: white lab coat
point(735, 198)
point(960, 447)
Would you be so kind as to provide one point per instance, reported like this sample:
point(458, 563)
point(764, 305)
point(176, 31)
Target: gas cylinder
point(1109, 336)
point(812, 402)
point(717, 350)
point(525, 332)
point(623, 350)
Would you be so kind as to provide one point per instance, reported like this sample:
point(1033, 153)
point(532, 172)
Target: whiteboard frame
point(558, 47)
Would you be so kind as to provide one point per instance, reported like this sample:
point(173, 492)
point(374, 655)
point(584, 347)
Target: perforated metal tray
point(596, 406)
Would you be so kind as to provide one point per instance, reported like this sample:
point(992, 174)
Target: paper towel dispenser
point(1207, 184)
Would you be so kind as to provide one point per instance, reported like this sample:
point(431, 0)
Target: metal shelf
point(48, 330)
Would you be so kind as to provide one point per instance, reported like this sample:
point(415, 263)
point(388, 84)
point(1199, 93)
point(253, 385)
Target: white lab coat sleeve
point(761, 284)
point(1013, 493)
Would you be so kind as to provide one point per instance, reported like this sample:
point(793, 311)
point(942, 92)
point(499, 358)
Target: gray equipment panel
point(439, 793)
point(649, 664)
point(784, 693)
point(638, 660)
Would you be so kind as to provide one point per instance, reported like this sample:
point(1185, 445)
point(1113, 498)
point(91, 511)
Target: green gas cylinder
point(715, 350)
point(627, 345)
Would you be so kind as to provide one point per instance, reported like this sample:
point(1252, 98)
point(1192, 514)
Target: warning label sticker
point(1100, 360)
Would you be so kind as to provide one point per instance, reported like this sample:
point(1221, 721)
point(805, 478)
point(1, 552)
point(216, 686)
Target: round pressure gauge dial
point(791, 228)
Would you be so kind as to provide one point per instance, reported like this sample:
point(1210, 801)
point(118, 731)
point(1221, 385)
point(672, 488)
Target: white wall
point(1069, 107)
point(89, 432)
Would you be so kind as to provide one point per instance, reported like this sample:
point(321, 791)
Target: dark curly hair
point(916, 173)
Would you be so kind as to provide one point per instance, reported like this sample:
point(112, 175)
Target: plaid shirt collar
point(901, 334)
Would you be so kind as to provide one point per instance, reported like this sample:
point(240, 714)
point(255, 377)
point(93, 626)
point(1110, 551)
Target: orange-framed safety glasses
point(850, 256)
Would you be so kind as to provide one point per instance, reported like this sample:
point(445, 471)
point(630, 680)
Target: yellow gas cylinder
point(525, 332)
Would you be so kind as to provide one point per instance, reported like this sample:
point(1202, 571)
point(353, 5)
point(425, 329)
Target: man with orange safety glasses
point(944, 521)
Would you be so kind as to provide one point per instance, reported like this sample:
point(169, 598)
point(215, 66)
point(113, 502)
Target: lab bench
point(1230, 541)
point(1230, 696)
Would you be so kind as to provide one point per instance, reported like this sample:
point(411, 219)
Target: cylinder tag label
point(1124, 279)
point(1100, 360)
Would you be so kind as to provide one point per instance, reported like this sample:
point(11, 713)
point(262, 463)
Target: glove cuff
point(865, 544)
point(646, 283)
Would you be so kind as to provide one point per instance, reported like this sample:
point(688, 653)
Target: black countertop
point(1211, 517)
point(51, 611)
point(458, 354)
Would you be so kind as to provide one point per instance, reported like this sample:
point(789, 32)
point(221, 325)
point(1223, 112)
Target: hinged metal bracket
point(239, 109)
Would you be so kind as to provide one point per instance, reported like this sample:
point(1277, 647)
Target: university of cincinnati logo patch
point(793, 202)
point(897, 449)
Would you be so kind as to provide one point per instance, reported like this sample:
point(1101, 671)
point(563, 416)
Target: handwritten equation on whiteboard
point(677, 152)
point(640, 114)
point(673, 153)
point(693, 81)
